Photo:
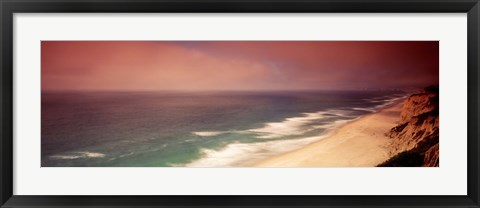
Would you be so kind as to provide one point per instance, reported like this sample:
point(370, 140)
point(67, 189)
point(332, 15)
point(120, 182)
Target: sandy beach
point(360, 143)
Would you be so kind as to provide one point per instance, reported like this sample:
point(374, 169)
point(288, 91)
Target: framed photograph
point(268, 103)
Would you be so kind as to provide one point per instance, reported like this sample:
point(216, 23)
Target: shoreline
point(359, 143)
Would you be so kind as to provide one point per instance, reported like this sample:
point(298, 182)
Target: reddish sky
point(237, 65)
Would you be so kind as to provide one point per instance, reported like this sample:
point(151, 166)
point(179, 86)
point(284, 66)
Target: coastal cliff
point(414, 141)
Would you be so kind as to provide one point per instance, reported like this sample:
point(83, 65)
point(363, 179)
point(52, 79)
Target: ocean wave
point(78, 155)
point(340, 112)
point(290, 126)
point(305, 122)
point(389, 101)
point(208, 133)
point(121, 156)
point(334, 124)
point(245, 154)
point(364, 109)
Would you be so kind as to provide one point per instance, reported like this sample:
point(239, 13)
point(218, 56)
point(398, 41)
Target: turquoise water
point(203, 129)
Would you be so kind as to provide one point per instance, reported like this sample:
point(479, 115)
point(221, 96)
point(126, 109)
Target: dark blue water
point(205, 129)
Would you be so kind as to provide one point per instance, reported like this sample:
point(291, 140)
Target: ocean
point(192, 129)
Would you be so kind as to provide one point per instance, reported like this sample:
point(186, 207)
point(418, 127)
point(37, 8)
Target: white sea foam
point(78, 155)
point(334, 124)
point(339, 112)
point(364, 109)
point(121, 156)
point(289, 127)
point(390, 101)
point(245, 154)
point(207, 133)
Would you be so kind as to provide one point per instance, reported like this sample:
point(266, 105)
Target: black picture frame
point(10, 7)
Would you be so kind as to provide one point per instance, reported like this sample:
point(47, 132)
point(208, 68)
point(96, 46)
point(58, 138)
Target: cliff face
point(415, 140)
point(431, 157)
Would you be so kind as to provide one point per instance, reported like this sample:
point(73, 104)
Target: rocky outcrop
point(415, 140)
point(418, 104)
point(431, 157)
